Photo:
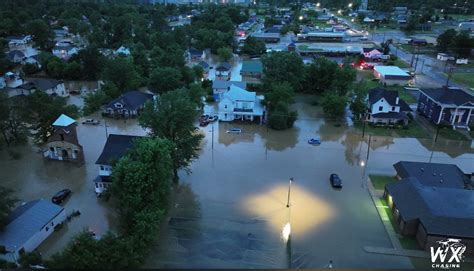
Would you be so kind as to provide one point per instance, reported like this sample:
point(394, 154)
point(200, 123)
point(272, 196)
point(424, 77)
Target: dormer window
point(118, 105)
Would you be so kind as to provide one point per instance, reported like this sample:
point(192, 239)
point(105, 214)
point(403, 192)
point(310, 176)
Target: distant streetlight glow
point(362, 163)
point(350, 5)
point(301, 17)
point(352, 20)
point(318, 4)
point(339, 11)
point(286, 232)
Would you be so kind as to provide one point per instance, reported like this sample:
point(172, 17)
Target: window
point(62, 137)
point(47, 228)
point(52, 224)
point(225, 106)
point(393, 108)
point(380, 108)
point(102, 168)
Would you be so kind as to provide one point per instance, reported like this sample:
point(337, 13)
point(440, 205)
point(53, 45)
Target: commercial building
point(391, 75)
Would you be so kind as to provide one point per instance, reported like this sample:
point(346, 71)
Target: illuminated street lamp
point(339, 11)
point(289, 191)
point(301, 17)
point(350, 5)
point(318, 4)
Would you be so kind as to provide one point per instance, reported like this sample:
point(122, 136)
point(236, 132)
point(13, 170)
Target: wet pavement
point(231, 209)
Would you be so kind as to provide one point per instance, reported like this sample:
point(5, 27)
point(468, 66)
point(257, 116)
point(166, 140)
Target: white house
point(240, 104)
point(19, 42)
point(33, 60)
point(391, 75)
point(219, 87)
point(386, 108)
point(372, 53)
point(49, 86)
point(65, 51)
point(115, 147)
point(122, 51)
point(28, 226)
point(223, 71)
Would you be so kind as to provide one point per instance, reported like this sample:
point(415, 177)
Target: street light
point(318, 4)
point(289, 191)
point(350, 5)
point(339, 11)
point(301, 17)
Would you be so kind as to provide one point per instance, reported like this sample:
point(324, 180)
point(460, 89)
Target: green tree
point(279, 93)
point(254, 47)
point(463, 44)
point(225, 53)
point(165, 79)
point(334, 105)
point(358, 103)
point(41, 33)
point(30, 69)
point(173, 117)
point(93, 102)
point(283, 67)
point(7, 202)
point(110, 90)
point(142, 180)
point(281, 118)
point(445, 40)
point(121, 71)
point(92, 62)
point(72, 70)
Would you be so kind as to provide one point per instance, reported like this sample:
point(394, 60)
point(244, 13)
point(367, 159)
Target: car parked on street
point(336, 182)
point(234, 131)
point(59, 197)
point(314, 141)
point(91, 122)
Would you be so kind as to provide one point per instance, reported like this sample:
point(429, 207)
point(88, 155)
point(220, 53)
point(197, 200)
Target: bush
point(210, 99)
point(93, 102)
point(30, 258)
point(30, 69)
point(281, 118)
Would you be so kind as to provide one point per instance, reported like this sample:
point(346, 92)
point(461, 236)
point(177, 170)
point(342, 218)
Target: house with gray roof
point(386, 108)
point(432, 213)
point(450, 106)
point(28, 226)
point(115, 147)
point(128, 105)
point(51, 87)
point(15, 56)
point(219, 87)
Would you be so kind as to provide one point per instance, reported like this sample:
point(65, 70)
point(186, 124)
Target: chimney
point(397, 100)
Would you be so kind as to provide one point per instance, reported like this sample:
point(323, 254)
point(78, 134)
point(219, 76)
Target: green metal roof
point(252, 66)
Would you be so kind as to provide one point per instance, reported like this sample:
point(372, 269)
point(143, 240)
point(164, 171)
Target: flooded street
point(32, 178)
point(231, 209)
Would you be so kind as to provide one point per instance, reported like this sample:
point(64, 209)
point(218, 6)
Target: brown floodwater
point(231, 209)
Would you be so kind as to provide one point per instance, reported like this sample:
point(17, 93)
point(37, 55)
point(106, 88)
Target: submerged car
point(314, 141)
point(59, 197)
point(91, 122)
point(336, 182)
point(234, 131)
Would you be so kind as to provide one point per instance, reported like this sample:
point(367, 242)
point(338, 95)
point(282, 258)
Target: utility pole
point(449, 76)
point(416, 62)
point(289, 192)
point(212, 138)
point(106, 132)
point(437, 133)
point(368, 150)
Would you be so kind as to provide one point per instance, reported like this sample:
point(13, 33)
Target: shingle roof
point(195, 52)
point(252, 66)
point(449, 96)
point(27, 220)
point(239, 94)
point(431, 174)
point(204, 64)
point(115, 147)
point(221, 84)
point(391, 115)
point(41, 84)
point(444, 211)
point(15, 53)
point(225, 66)
point(131, 100)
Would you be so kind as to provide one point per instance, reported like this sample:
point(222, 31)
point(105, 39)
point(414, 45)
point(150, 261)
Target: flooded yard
point(231, 209)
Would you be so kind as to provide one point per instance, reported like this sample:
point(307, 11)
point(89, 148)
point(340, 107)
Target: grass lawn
point(449, 133)
point(379, 181)
point(463, 78)
point(407, 97)
point(400, 63)
point(414, 129)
